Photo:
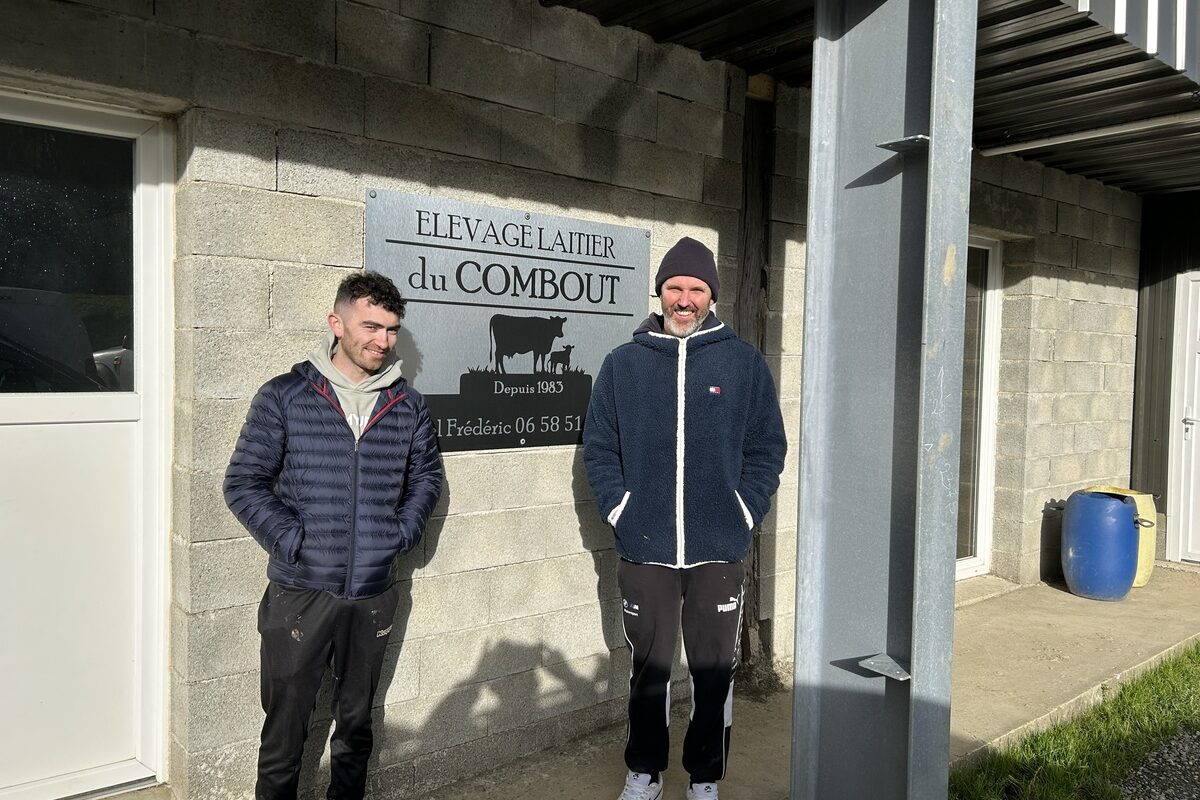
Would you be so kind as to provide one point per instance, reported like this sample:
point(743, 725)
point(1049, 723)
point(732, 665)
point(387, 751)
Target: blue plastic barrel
point(1099, 545)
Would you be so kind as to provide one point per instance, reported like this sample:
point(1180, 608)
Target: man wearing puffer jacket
point(335, 474)
point(683, 446)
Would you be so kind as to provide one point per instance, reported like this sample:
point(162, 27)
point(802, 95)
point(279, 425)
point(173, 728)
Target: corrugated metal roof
point(1044, 69)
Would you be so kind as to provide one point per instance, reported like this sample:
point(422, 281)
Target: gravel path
point(1172, 772)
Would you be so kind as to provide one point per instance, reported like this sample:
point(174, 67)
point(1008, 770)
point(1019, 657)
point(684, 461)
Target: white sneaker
point(702, 791)
point(639, 787)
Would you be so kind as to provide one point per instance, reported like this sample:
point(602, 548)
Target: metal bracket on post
point(918, 142)
point(886, 666)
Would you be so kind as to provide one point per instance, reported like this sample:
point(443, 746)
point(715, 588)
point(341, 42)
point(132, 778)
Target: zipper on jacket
point(353, 522)
point(680, 380)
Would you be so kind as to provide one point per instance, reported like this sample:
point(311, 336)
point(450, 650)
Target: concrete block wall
point(508, 637)
point(783, 346)
point(1068, 320)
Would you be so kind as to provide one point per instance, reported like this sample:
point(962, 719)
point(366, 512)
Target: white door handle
point(1190, 421)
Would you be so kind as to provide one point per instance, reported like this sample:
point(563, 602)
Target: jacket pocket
point(615, 514)
point(745, 510)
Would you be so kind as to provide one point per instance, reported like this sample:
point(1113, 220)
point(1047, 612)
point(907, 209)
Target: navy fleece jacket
point(684, 444)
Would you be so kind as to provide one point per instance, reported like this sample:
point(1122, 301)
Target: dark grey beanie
point(691, 258)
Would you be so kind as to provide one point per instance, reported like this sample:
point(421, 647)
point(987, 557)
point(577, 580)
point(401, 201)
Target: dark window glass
point(66, 261)
point(977, 266)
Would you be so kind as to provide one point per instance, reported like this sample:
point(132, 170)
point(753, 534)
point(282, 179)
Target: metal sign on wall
point(510, 314)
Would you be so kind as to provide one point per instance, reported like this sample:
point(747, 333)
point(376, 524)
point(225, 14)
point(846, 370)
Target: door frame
point(149, 403)
point(989, 382)
point(1177, 527)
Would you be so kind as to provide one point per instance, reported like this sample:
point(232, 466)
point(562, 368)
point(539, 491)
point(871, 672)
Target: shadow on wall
point(1051, 565)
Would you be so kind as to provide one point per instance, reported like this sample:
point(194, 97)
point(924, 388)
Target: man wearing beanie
point(683, 446)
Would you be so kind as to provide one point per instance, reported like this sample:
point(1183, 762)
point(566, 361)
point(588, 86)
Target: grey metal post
point(893, 85)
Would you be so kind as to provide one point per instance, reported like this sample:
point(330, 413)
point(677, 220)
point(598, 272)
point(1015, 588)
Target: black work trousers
point(303, 631)
point(709, 600)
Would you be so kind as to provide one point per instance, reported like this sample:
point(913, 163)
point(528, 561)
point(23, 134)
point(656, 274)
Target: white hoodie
point(357, 399)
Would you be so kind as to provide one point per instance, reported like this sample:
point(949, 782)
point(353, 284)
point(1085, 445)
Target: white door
point(981, 367)
point(1183, 500)
point(84, 206)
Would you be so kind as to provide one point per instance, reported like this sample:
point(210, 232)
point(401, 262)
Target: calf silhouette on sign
point(509, 335)
point(561, 358)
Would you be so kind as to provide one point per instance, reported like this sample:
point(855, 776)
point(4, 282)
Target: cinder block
point(571, 528)
point(468, 542)
point(783, 508)
point(568, 35)
point(656, 168)
point(441, 604)
point(789, 200)
point(549, 474)
point(1059, 185)
point(986, 169)
point(786, 371)
point(302, 297)
point(507, 21)
point(304, 30)
point(1111, 406)
point(788, 246)
point(1111, 231)
point(1073, 407)
point(1126, 262)
point(222, 574)
point(681, 72)
point(278, 87)
point(1118, 377)
point(212, 644)
point(1093, 256)
point(480, 654)
point(1074, 221)
point(791, 153)
point(222, 711)
point(216, 219)
point(602, 101)
point(235, 364)
point(699, 128)
point(480, 68)
point(1045, 248)
point(529, 697)
point(783, 333)
point(776, 551)
point(998, 209)
point(581, 632)
point(1022, 176)
point(401, 675)
point(222, 773)
point(722, 183)
point(1096, 196)
point(1052, 313)
point(126, 55)
point(336, 166)
point(673, 219)
point(434, 770)
point(428, 724)
point(199, 513)
point(436, 120)
point(214, 432)
point(539, 587)
point(1128, 205)
point(204, 284)
point(1072, 346)
point(777, 594)
point(1107, 349)
point(226, 149)
point(543, 143)
point(786, 291)
point(1037, 279)
point(381, 42)
point(1049, 440)
point(793, 108)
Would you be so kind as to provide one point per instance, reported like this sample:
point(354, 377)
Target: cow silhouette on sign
point(561, 358)
point(509, 336)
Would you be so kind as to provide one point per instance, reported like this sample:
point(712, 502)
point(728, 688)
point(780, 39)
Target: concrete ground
point(1023, 659)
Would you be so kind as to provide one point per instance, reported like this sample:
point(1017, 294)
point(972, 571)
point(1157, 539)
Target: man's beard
point(683, 331)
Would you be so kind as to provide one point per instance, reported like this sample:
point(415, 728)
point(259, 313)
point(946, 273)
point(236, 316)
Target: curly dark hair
point(378, 289)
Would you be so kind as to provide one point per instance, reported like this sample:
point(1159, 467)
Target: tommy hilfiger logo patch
point(714, 390)
point(730, 606)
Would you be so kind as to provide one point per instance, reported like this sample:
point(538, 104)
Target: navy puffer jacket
point(333, 513)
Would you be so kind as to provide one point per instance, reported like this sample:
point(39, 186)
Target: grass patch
point(1090, 756)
